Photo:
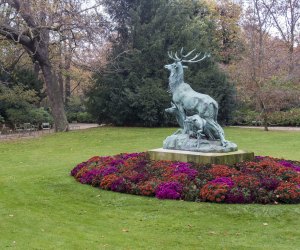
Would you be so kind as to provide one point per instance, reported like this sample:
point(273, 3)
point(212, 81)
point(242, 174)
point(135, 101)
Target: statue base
point(184, 142)
point(199, 157)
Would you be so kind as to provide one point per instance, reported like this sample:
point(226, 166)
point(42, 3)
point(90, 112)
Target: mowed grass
point(42, 207)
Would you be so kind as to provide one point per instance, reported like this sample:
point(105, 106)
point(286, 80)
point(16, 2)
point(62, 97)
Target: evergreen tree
point(133, 88)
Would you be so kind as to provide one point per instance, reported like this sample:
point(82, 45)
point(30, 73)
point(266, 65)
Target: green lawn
point(42, 207)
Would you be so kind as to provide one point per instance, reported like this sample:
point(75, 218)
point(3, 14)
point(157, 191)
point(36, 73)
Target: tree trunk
point(291, 59)
point(36, 69)
point(67, 69)
point(265, 120)
point(264, 115)
point(55, 99)
point(60, 82)
point(68, 87)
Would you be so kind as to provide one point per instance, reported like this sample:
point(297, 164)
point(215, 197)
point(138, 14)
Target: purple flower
point(77, 168)
point(169, 190)
point(224, 180)
point(290, 165)
point(116, 163)
point(88, 177)
point(184, 168)
point(119, 185)
point(239, 195)
point(127, 156)
point(269, 183)
point(109, 170)
point(259, 158)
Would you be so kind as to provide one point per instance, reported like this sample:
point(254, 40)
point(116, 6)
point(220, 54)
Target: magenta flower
point(88, 177)
point(169, 190)
point(184, 168)
point(223, 180)
point(256, 181)
point(239, 195)
point(77, 168)
point(109, 170)
point(116, 163)
point(119, 185)
point(127, 156)
point(290, 165)
point(269, 183)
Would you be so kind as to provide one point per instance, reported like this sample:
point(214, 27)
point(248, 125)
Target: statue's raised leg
point(217, 131)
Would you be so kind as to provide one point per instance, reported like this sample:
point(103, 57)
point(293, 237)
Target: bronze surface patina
point(196, 113)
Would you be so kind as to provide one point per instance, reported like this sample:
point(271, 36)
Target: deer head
point(176, 68)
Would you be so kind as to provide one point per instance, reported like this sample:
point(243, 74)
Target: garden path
point(32, 134)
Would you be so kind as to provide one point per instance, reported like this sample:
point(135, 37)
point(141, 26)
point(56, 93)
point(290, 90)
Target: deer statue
point(188, 101)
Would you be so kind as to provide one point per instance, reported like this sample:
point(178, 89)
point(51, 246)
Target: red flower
point(222, 171)
point(215, 192)
point(108, 180)
point(148, 188)
point(246, 181)
point(288, 192)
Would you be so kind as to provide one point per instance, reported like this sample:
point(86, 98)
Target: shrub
point(76, 110)
point(29, 114)
point(1, 119)
point(16, 116)
point(40, 115)
point(275, 118)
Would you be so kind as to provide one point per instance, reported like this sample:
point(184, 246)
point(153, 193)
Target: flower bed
point(264, 180)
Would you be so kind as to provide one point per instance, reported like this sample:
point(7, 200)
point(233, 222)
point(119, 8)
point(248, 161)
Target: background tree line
point(103, 60)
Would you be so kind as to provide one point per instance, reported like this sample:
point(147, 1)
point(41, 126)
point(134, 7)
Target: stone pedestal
point(199, 157)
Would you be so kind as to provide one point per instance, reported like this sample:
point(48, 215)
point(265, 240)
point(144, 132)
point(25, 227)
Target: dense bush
point(276, 118)
point(1, 119)
point(40, 115)
point(29, 114)
point(264, 180)
point(76, 110)
point(285, 118)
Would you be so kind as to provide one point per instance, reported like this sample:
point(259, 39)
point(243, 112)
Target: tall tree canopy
point(40, 25)
point(132, 89)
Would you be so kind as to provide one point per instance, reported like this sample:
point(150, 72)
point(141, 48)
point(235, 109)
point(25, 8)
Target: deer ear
point(185, 67)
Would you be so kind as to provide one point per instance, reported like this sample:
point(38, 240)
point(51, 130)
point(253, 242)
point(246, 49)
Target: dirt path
point(76, 126)
point(33, 134)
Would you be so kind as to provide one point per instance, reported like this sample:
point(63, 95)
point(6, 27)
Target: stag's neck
point(175, 81)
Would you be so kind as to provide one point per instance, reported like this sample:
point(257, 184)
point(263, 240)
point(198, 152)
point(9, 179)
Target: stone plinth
point(199, 157)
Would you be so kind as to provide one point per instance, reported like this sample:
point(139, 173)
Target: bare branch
point(14, 35)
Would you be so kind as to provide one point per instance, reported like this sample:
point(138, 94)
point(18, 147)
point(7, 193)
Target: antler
point(170, 54)
point(183, 56)
point(193, 60)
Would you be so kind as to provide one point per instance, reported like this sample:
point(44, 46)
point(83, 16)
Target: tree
point(286, 18)
point(257, 24)
point(260, 73)
point(228, 15)
point(133, 87)
point(37, 25)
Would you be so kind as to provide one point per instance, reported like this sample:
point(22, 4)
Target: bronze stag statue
point(195, 112)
